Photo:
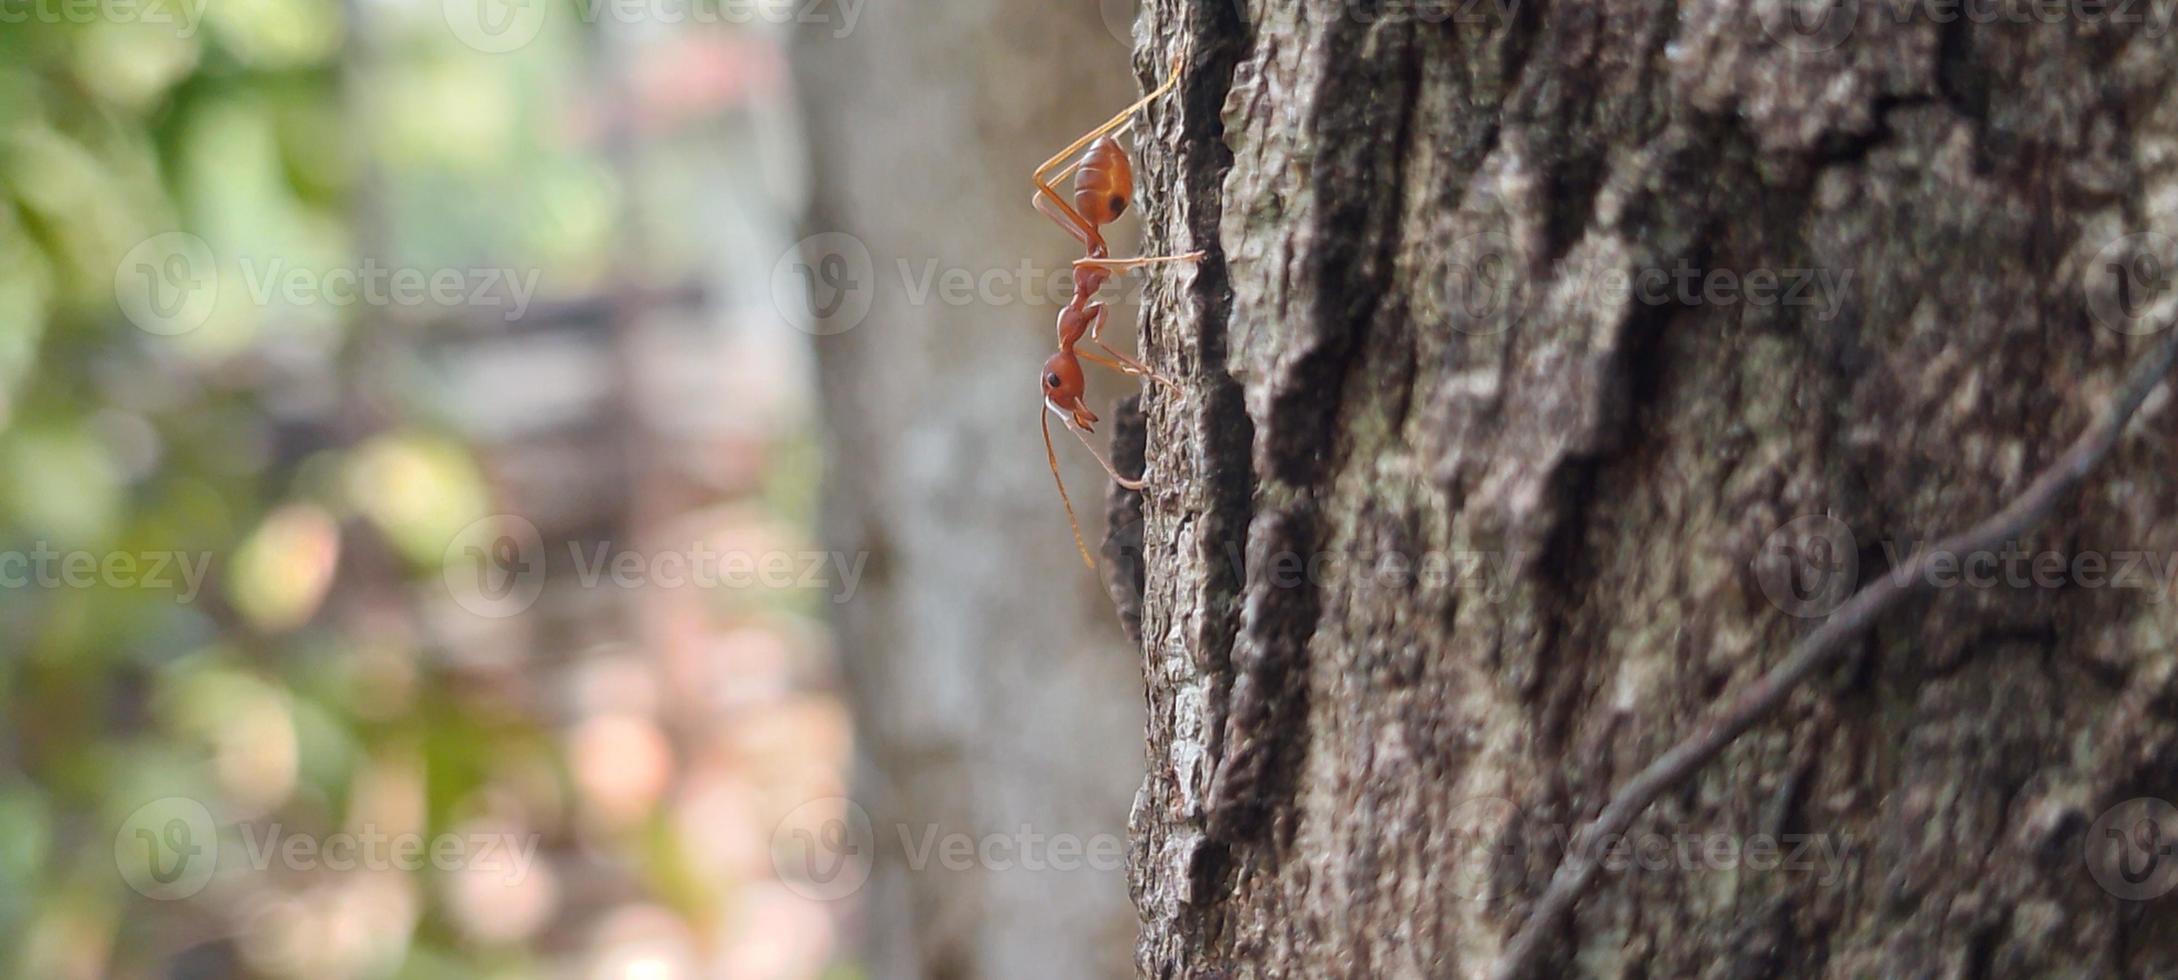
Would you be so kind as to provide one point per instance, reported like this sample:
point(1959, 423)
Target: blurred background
point(509, 488)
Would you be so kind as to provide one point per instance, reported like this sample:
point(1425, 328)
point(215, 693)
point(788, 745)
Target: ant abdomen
point(1104, 182)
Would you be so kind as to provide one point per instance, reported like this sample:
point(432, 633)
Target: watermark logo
point(1485, 837)
point(2132, 849)
point(167, 849)
point(1808, 26)
point(1484, 286)
point(824, 284)
point(1809, 567)
point(2129, 283)
point(495, 567)
point(495, 26)
point(1118, 19)
point(823, 850)
point(168, 284)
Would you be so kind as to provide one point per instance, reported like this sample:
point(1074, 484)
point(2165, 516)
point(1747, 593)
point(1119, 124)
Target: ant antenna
point(1051, 456)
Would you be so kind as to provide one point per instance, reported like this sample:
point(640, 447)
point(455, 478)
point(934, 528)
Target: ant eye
point(1119, 205)
point(1051, 380)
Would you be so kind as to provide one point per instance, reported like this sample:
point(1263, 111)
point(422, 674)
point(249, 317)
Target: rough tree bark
point(1422, 334)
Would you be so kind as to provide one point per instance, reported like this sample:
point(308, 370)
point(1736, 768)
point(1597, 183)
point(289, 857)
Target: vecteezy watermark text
point(171, 284)
point(46, 567)
point(1487, 832)
point(501, 26)
point(372, 849)
point(1810, 26)
point(1481, 571)
point(1483, 574)
point(184, 15)
point(827, 283)
point(1489, 289)
point(497, 566)
point(1811, 565)
point(825, 849)
point(2013, 566)
point(373, 284)
point(701, 566)
point(171, 848)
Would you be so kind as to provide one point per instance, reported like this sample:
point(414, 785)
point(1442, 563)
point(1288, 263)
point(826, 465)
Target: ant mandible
point(1103, 184)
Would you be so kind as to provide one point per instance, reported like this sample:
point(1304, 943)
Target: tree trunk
point(1540, 351)
point(993, 692)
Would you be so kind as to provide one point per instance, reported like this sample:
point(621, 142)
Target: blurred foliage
point(273, 664)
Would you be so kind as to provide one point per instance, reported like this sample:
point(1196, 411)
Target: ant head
point(1063, 388)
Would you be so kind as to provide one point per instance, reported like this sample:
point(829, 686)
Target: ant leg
point(1118, 361)
point(1055, 207)
point(1116, 265)
point(1076, 164)
point(1172, 77)
point(1130, 484)
point(1126, 365)
point(1063, 214)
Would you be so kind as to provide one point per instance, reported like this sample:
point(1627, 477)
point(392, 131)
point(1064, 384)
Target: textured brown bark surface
point(1414, 337)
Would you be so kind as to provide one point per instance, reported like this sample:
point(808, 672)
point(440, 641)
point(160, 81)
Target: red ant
point(1103, 183)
